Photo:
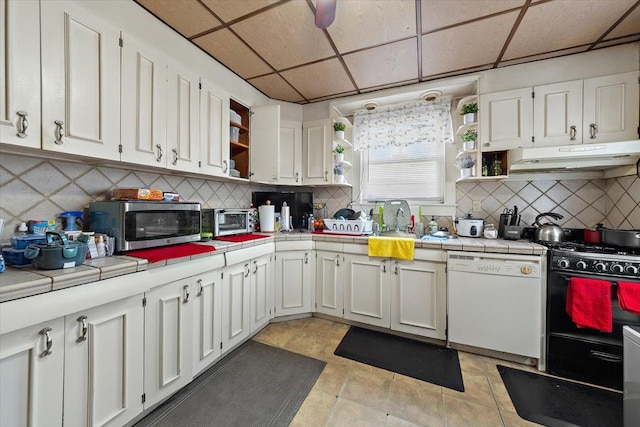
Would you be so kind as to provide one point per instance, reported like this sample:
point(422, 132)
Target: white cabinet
point(557, 114)
point(103, 364)
point(167, 340)
point(80, 82)
point(236, 304)
point(367, 290)
point(316, 152)
point(143, 104)
point(183, 115)
point(611, 106)
point(207, 320)
point(290, 153)
point(261, 279)
point(330, 283)
point(20, 122)
point(32, 377)
point(418, 298)
point(214, 131)
point(293, 282)
point(506, 119)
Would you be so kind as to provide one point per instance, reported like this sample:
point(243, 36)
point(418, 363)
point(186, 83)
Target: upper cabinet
point(327, 155)
point(238, 139)
point(290, 153)
point(506, 119)
point(557, 116)
point(214, 116)
point(143, 104)
point(20, 73)
point(80, 82)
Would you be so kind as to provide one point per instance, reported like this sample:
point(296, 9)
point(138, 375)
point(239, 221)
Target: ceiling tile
point(438, 13)
point(228, 10)
point(455, 49)
point(394, 62)
point(188, 17)
point(390, 85)
point(229, 49)
point(544, 56)
point(276, 87)
point(458, 72)
point(286, 35)
point(320, 79)
point(630, 25)
point(563, 24)
point(365, 23)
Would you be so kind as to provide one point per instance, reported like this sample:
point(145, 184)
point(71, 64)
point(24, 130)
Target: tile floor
point(352, 394)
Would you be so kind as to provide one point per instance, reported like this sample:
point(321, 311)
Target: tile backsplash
point(36, 188)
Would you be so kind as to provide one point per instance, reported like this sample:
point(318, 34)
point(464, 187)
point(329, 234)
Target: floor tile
point(416, 401)
point(476, 389)
point(367, 388)
point(398, 422)
point(512, 419)
point(347, 413)
point(276, 334)
point(463, 413)
point(332, 379)
point(307, 343)
point(315, 410)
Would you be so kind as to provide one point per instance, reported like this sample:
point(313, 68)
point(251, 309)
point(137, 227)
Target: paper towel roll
point(285, 218)
point(267, 218)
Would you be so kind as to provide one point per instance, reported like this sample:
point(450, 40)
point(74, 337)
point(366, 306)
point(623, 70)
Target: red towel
point(629, 296)
point(241, 238)
point(169, 252)
point(589, 303)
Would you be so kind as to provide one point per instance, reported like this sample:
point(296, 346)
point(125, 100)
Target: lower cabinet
point(31, 373)
point(293, 278)
point(366, 292)
point(167, 340)
point(236, 301)
point(329, 283)
point(207, 320)
point(261, 279)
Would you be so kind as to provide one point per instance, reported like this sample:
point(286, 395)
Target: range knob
point(581, 265)
point(617, 268)
point(601, 267)
point(563, 263)
point(631, 269)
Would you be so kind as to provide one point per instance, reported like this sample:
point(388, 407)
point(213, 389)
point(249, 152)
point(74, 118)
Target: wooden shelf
point(243, 129)
point(239, 150)
point(238, 144)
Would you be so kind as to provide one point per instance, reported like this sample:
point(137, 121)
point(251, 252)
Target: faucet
point(398, 212)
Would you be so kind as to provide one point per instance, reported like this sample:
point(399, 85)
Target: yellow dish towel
point(394, 247)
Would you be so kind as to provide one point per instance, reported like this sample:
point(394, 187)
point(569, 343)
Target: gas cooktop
point(592, 248)
point(611, 261)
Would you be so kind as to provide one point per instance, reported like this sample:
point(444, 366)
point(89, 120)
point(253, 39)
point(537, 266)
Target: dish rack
point(355, 227)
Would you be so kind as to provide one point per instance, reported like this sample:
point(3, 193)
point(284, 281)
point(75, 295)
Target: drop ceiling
point(378, 44)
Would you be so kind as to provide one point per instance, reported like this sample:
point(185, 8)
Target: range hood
point(590, 157)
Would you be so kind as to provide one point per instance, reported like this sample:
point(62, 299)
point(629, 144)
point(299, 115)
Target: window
point(403, 150)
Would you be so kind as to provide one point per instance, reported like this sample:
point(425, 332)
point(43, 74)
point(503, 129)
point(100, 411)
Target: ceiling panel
point(374, 44)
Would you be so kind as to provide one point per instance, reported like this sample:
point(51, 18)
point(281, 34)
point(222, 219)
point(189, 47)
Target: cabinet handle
point(593, 130)
point(199, 282)
point(326, 175)
point(255, 265)
point(384, 266)
point(297, 176)
point(395, 268)
point(175, 156)
point(572, 133)
point(225, 167)
point(337, 260)
point(306, 258)
point(246, 270)
point(59, 132)
point(185, 293)
point(23, 124)
point(48, 342)
point(83, 328)
point(160, 153)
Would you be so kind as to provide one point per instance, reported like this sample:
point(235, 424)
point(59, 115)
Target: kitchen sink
point(394, 233)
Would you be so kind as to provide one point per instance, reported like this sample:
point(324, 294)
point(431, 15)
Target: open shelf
point(239, 149)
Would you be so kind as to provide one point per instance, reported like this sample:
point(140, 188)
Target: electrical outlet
point(477, 206)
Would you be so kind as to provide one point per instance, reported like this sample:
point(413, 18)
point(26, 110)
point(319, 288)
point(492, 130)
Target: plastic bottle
point(22, 229)
point(101, 247)
point(433, 225)
point(311, 223)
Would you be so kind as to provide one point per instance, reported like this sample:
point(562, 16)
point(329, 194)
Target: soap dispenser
point(433, 225)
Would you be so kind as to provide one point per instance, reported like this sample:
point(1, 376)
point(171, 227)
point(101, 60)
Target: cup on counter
point(490, 232)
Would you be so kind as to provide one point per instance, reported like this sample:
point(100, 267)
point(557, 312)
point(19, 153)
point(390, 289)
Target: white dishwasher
point(495, 302)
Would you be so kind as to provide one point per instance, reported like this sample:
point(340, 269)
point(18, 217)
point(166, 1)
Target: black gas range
point(583, 353)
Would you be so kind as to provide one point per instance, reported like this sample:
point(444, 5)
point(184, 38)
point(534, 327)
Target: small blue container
point(21, 242)
point(15, 257)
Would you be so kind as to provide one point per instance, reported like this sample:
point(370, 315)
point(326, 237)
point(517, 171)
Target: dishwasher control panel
point(507, 266)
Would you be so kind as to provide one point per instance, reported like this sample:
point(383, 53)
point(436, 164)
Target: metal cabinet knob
point(59, 132)
point(84, 327)
point(48, 342)
point(23, 124)
point(160, 153)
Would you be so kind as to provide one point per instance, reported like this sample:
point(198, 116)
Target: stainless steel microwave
point(143, 224)
point(228, 222)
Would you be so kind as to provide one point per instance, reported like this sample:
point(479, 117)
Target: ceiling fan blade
point(325, 13)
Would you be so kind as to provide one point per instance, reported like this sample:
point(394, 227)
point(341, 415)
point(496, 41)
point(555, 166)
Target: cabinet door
point(293, 279)
point(20, 73)
point(183, 111)
point(265, 143)
point(214, 131)
point(207, 318)
point(290, 153)
point(418, 298)
point(144, 104)
point(316, 152)
point(611, 106)
point(103, 364)
point(557, 117)
point(167, 340)
point(80, 82)
point(31, 386)
point(366, 291)
point(329, 283)
point(261, 292)
point(506, 120)
point(236, 304)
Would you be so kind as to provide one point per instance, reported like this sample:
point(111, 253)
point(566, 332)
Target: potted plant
point(465, 163)
point(469, 139)
point(338, 154)
point(468, 112)
point(339, 128)
point(338, 173)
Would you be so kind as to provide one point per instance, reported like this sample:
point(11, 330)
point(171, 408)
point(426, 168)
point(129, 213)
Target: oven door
point(230, 222)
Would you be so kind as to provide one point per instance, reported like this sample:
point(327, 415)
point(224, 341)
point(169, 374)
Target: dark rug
point(426, 362)
point(255, 385)
point(554, 402)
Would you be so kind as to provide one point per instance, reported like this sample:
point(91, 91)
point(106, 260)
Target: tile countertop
point(28, 281)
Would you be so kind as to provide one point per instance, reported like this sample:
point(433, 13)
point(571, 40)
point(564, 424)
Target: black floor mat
point(426, 362)
point(554, 402)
